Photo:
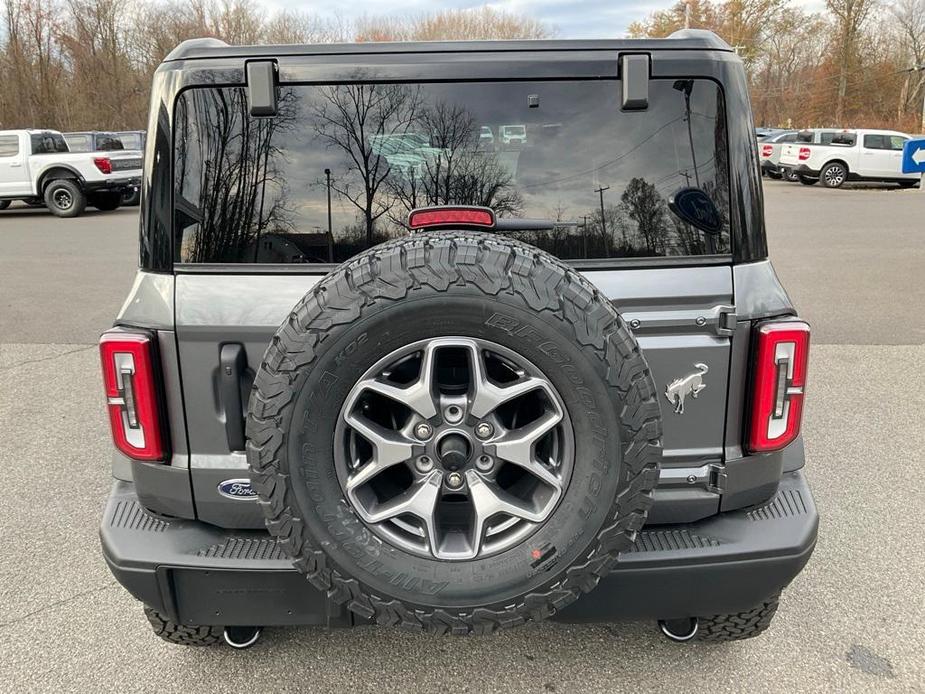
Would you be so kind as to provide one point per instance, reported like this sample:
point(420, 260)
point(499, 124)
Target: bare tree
point(643, 205)
point(230, 187)
point(451, 169)
point(849, 16)
point(909, 17)
point(475, 23)
point(359, 120)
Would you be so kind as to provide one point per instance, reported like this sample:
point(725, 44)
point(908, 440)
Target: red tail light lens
point(767, 150)
point(132, 394)
point(804, 153)
point(426, 217)
point(104, 164)
point(779, 378)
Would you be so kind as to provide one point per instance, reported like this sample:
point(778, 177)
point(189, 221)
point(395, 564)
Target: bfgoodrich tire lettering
point(476, 286)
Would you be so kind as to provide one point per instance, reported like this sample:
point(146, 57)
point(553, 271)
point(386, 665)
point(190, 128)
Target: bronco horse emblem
point(678, 389)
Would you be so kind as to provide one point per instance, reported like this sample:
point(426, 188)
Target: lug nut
point(484, 463)
point(454, 480)
point(423, 431)
point(424, 464)
point(484, 429)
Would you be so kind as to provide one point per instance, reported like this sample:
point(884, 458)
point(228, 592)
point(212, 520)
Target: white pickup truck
point(851, 155)
point(36, 166)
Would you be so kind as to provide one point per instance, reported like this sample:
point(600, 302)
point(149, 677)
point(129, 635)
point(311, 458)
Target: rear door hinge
point(726, 320)
point(717, 479)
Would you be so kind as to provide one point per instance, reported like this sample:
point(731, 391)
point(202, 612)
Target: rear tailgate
point(680, 316)
point(791, 154)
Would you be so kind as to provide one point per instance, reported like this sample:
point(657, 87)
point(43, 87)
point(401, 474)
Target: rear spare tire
point(454, 433)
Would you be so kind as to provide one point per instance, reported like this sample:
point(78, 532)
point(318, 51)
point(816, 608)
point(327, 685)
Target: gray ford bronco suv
point(379, 367)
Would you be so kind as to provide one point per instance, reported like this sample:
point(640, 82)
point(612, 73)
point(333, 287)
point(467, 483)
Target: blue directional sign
point(914, 156)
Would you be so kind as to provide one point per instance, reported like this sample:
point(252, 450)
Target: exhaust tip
point(679, 630)
point(242, 637)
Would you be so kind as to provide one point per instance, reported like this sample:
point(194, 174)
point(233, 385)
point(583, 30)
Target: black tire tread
point(742, 625)
point(182, 634)
point(387, 273)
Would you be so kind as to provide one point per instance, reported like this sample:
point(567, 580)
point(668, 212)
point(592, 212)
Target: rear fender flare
point(54, 172)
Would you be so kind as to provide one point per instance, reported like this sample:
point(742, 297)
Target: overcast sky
point(569, 18)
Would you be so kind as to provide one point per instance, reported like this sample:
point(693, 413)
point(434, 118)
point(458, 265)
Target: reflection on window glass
point(48, 143)
point(131, 141)
point(339, 168)
point(9, 145)
point(79, 143)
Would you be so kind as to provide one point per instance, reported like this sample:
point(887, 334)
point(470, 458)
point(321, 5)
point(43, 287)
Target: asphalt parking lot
point(854, 620)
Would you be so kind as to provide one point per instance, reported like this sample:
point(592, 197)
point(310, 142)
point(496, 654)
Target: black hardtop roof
point(684, 40)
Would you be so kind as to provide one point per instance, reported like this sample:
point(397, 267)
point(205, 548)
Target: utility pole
point(584, 236)
point(327, 173)
point(600, 191)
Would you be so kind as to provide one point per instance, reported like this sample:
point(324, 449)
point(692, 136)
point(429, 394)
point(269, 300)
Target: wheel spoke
point(419, 396)
point(489, 500)
point(390, 448)
point(517, 447)
point(486, 396)
point(419, 501)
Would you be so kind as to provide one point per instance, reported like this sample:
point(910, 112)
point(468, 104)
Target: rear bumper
point(115, 184)
point(804, 170)
point(769, 166)
point(199, 574)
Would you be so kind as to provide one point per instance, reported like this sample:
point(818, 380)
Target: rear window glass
point(48, 143)
point(845, 139)
point(108, 143)
point(340, 167)
point(79, 143)
point(131, 140)
point(9, 145)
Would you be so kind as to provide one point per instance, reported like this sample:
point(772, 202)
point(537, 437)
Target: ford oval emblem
point(695, 207)
point(237, 489)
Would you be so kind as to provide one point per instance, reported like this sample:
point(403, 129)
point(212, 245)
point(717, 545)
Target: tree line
point(857, 63)
point(87, 64)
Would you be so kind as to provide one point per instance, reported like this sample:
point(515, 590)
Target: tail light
point(804, 153)
point(104, 164)
point(779, 378)
point(435, 217)
point(767, 150)
point(130, 380)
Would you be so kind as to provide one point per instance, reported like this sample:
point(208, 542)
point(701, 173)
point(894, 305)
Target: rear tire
point(182, 634)
point(790, 175)
point(4, 204)
point(540, 316)
point(902, 184)
point(106, 202)
point(807, 181)
point(833, 175)
point(64, 198)
point(742, 625)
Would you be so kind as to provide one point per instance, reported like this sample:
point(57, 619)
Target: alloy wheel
point(454, 448)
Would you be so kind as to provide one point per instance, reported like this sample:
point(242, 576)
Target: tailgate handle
point(232, 366)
